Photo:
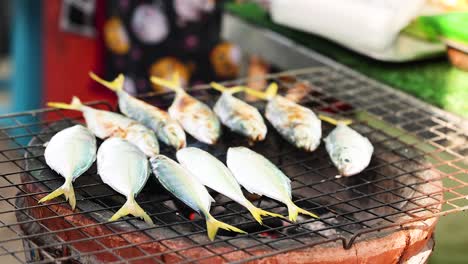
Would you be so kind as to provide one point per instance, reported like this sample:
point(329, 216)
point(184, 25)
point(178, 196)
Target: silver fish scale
point(182, 185)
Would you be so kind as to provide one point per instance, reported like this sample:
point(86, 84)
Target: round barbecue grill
point(386, 214)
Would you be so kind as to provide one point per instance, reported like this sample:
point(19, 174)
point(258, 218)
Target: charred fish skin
point(240, 117)
point(124, 167)
point(105, 124)
point(142, 137)
point(213, 173)
point(70, 153)
point(167, 130)
point(349, 151)
point(297, 124)
point(185, 187)
point(196, 118)
point(259, 175)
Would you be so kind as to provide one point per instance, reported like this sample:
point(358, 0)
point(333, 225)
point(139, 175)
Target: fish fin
point(75, 104)
point(170, 84)
point(67, 190)
point(334, 121)
point(45, 144)
point(272, 90)
point(132, 207)
point(269, 93)
point(212, 226)
point(294, 210)
point(176, 78)
point(223, 89)
point(256, 93)
point(257, 213)
point(116, 85)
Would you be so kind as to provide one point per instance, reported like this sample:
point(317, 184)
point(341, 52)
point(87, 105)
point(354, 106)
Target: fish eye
point(346, 160)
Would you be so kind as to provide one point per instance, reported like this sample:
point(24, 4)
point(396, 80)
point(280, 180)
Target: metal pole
point(27, 55)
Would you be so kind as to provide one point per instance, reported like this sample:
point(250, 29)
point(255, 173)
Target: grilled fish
point(183, 185)
point(106, 124)
point(349, 151)
point(259, 175)
point(125, 169)
point(297, 124)
point(70, 153)
point(167, 129)
point(239, 116)
point(195, 117)
point(213, 173)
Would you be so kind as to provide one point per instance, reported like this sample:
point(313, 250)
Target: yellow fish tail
point(173, 84)
point(223, 89)
point(212, 226)
point(258, 213)
point(132, 207)
point(74, 105)
point(334, 121)
point(67, 190)
point(269, 93)
point(271, 90)
point(294, 210)
point(116, 85)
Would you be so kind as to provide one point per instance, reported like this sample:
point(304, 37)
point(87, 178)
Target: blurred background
point(420, 47)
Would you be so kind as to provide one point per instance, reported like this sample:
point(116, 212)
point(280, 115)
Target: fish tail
point(212, 226)
point(115, 85)
point(74, 105)
point(67, 190)
point(334, 121)
point(222, 88)
point(294, 210)
point(272, 90)
point(269, 93)
point(131, 207)
point(173, 84)
point(257, 213)
point(176, 78)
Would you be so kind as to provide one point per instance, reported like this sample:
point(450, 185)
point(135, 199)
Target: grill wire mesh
point(417, 148)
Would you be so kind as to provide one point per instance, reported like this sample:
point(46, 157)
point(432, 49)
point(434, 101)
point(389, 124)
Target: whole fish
point(125, 169)
point(212, 173)
point(349, 151)
point(106, 124)
point(258, 175)
point(70, 153)
point(239, 116)
point(297, 124)
point(185, 186)
point(167, 129)
point(195, 117)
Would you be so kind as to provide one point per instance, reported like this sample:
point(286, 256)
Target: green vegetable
point(453, 26)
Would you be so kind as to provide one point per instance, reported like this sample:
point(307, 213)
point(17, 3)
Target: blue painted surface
point(4, 84)
point(26, 57)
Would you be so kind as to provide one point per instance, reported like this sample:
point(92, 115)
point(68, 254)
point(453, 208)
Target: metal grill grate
point(417, 147)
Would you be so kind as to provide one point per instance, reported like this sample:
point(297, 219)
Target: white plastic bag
point(358, 24)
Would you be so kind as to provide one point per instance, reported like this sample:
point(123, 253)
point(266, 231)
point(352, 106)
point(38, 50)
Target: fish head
point(256, 131)
point(173, 134)
point(208, 136)
point(208, 130)
point(145, 140)
point(350, 161)
point(306, 138)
